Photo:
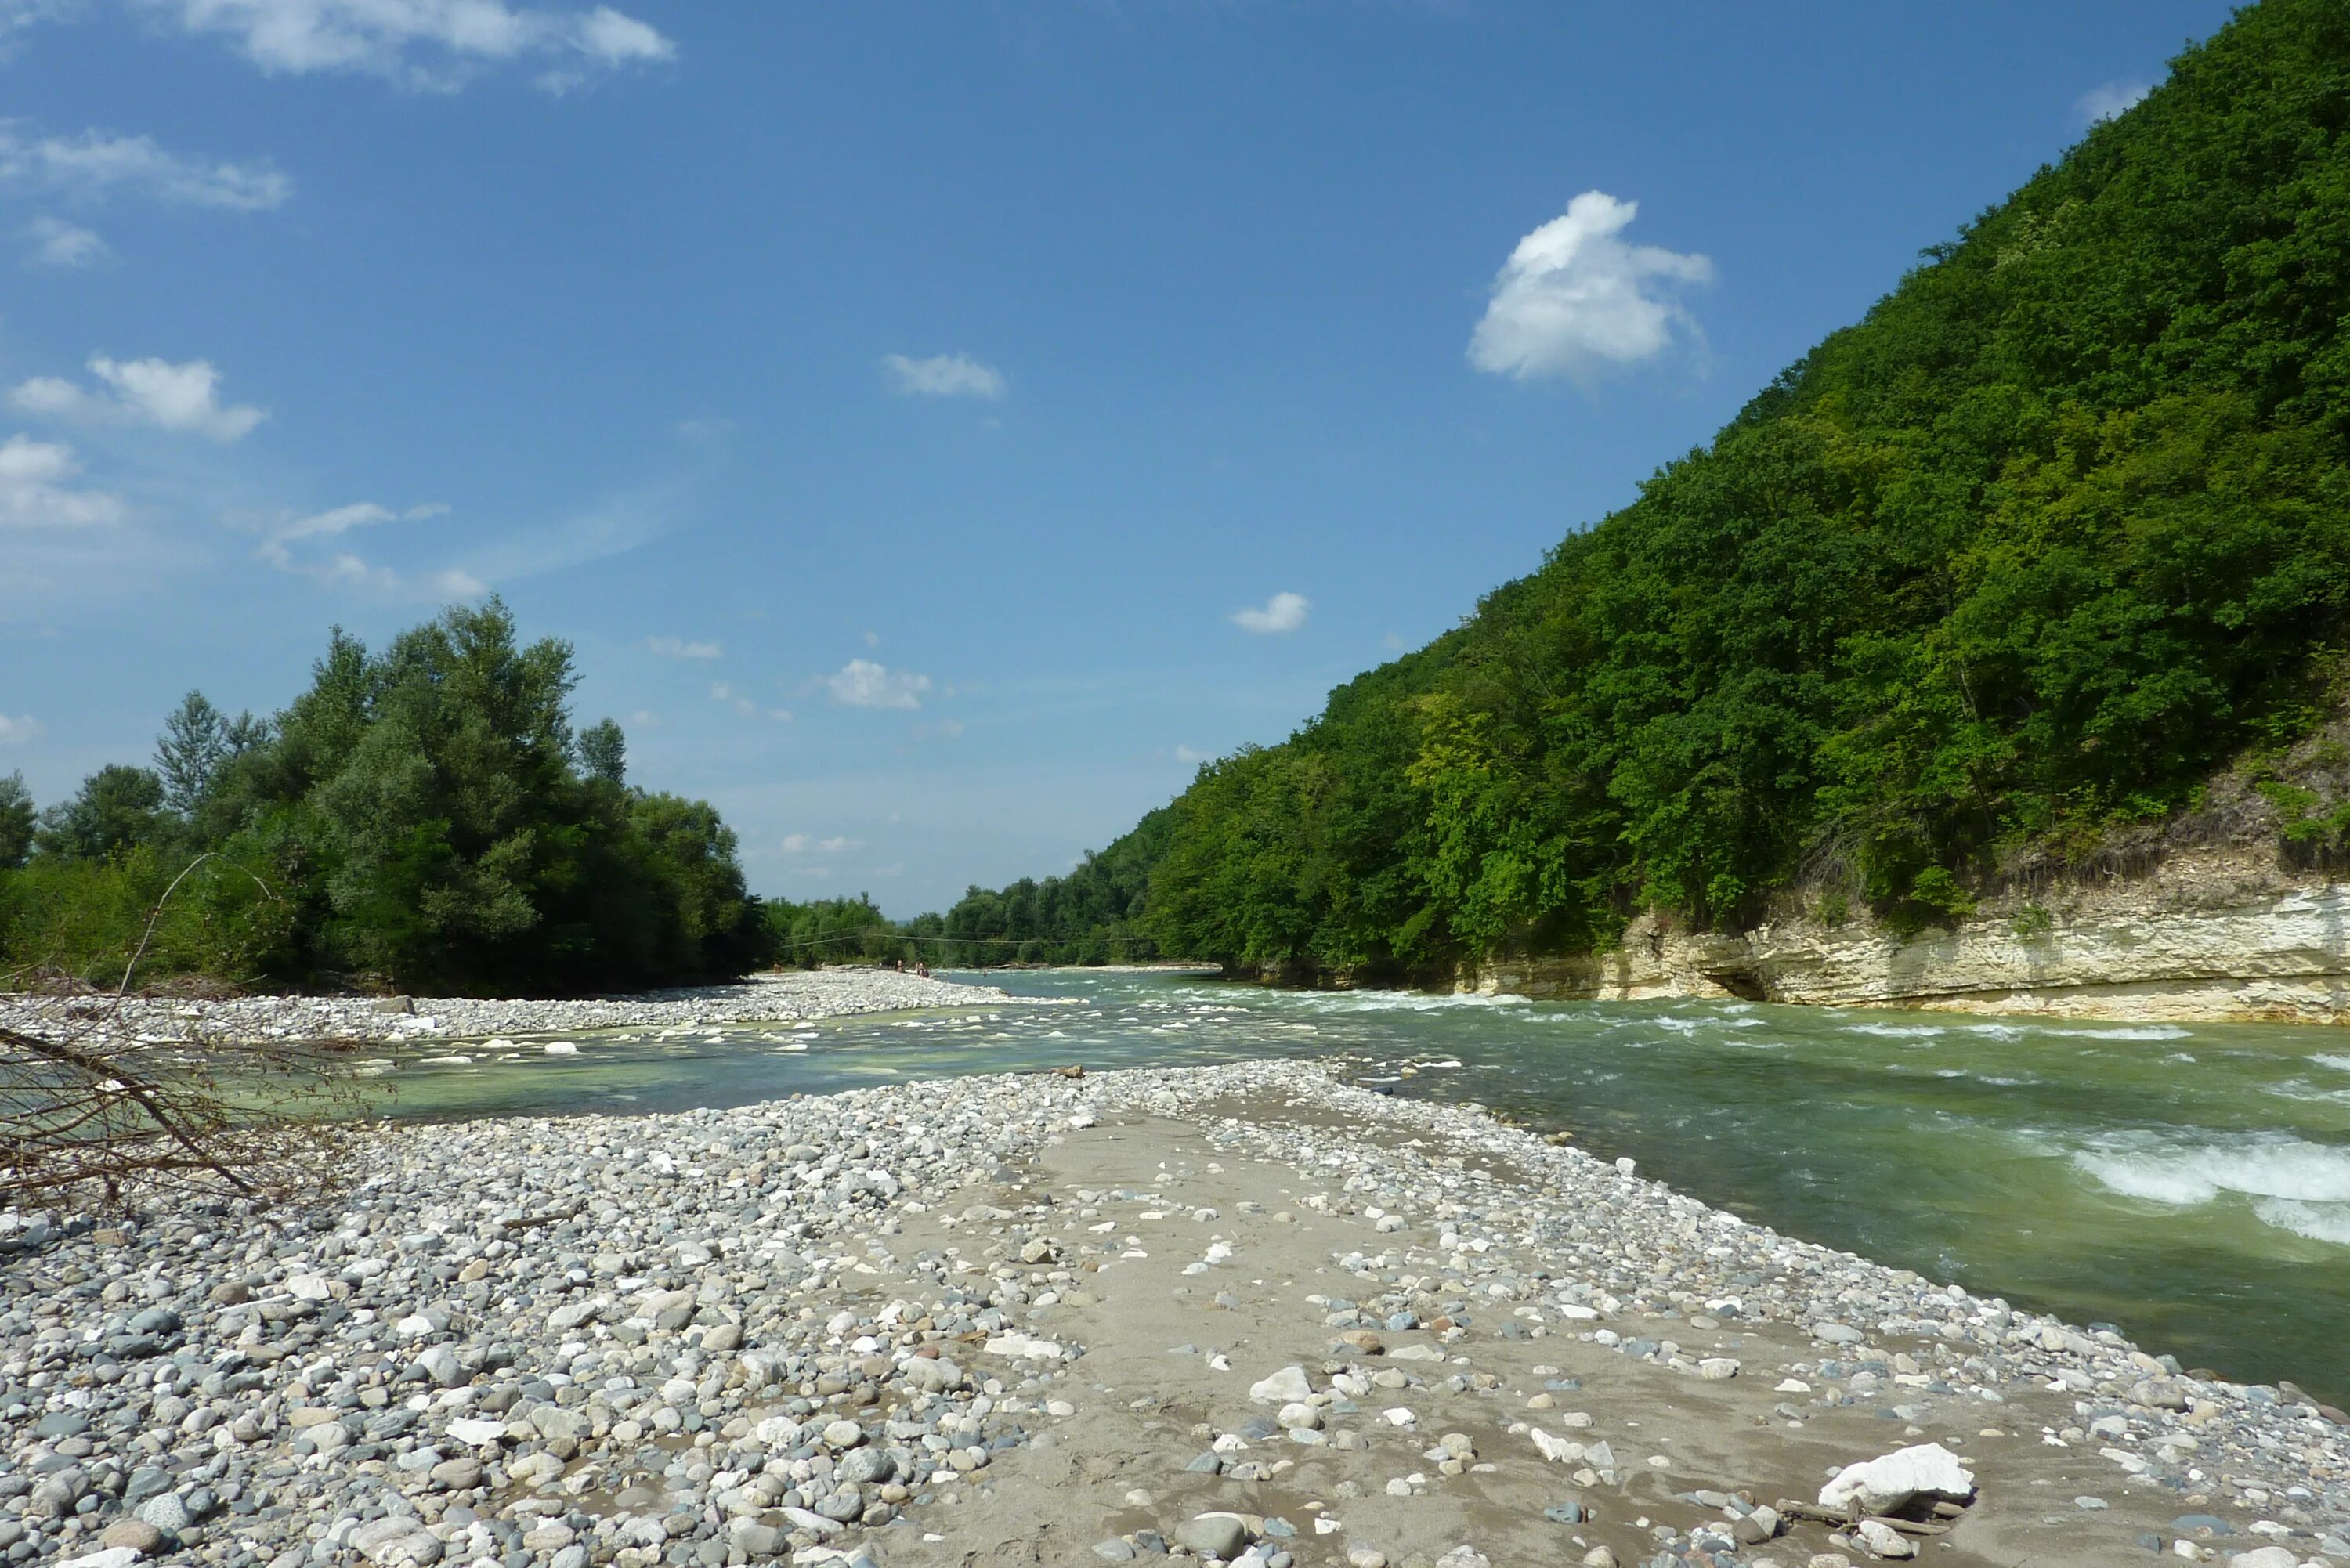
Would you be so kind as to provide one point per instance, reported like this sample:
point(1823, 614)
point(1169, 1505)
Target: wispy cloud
point(720, 691)
point(861, 683)
point(20, 729)
point(944, 376)
point(95, 165)
point(52, 244)
point(808, 844)
point(184, 399)
point(2108, 99)
point(611, 526)
point(36, 489)
point(1574, 299)
point(429, 43)
point(347, 568)
point(1284, 612)
point(678, 648)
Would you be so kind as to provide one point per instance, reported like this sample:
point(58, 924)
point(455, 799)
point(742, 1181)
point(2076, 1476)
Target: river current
point(2188, 1185)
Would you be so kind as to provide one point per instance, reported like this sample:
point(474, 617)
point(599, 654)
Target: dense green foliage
point(424, 818)
point(2060, 527)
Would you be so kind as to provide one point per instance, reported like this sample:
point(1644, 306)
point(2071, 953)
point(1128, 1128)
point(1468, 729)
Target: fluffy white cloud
point(1282, 612)
point(1574, 298)
point(20, 729)
point(944, 376)
point(678, 648)
point(423, 42)
point(179, 397)
point(59, 246)
point(861, 683)
point(2109, 99)
point(95, 165)
point(37, 491)
point(795, 843)
point(836, 846)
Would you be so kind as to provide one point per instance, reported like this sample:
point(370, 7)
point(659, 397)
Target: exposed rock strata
point(2182, 946)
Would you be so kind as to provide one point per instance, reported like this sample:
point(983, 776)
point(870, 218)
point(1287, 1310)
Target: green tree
point(604, 751)
point(17, 822)
point(117, 808)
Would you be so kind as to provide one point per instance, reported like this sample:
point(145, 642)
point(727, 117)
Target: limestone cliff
point(2217, 935)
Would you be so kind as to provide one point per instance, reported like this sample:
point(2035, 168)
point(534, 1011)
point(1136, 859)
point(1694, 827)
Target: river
point(2188, 1185)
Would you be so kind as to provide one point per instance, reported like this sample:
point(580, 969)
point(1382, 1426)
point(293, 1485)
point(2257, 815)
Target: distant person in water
point(922, 969)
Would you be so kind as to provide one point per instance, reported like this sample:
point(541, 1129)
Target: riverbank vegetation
point(2059, 530)
point(425, 818)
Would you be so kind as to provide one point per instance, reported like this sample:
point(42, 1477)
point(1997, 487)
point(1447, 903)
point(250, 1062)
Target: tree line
point(422, 818)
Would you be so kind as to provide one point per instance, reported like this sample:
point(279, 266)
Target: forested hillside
point(425, 818)
point(2059, 528)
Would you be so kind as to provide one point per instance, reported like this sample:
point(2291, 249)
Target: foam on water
point(2136, 1032)
point(2184, 1174)
point(1898, 1031)
point(2318, 1222)
point(2339, 1064)
point(1406, 1000)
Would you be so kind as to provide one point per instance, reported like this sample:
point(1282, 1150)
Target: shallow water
point(2190, 1186)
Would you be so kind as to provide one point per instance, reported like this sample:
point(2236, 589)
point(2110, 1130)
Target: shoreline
point(995, 1319)
point(791, 996)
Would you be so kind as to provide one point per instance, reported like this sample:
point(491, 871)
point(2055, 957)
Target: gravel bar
point(1244, 1314)
point(767, 998)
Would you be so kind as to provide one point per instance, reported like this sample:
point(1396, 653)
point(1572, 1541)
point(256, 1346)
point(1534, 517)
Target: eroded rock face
point(2276, 954)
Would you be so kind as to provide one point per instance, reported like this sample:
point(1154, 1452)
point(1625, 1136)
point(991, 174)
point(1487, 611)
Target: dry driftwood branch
point(91, 1105)
point(1847, 1518)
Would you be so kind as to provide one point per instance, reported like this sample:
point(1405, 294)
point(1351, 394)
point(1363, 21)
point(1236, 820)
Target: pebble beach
point(1246, 1313)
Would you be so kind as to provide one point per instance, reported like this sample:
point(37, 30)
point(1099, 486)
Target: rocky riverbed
point(1245, 1314)
point(766, 997)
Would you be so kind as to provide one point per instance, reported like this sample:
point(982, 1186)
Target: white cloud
point(22, 730)
point(431, 44)
point(180, 398)
point(861, 683)
point(898, 869)
point(95, 165)
point(944, 376)
point(1574, 298)
point(1283, 612)
point(57, 245)
point(678, 648)
point(806, 844)
point(456, 583)
point(2109, 99)
point(35, 492)
point(1186, 755)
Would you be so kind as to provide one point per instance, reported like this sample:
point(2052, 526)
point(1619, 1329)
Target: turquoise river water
point(2188, 1185)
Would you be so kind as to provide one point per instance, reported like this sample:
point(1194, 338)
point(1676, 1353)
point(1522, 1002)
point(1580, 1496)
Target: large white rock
point(1023, 1347)
point(1891, 1480)
point(1558, 1451)
point(1284, 1387)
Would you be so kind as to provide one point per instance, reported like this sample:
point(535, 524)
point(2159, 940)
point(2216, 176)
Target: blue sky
point(936, 427)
